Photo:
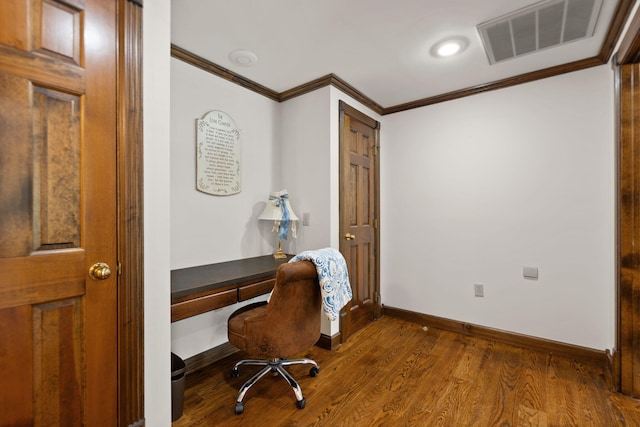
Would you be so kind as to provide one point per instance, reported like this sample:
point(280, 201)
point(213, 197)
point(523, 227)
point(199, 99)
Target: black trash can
point(178, 378)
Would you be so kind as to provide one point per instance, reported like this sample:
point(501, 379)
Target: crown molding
point(328, 80)
point(499, 84)
point(337, 82)
point(206, 65)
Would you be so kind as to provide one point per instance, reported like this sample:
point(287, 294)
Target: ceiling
point(379, 47)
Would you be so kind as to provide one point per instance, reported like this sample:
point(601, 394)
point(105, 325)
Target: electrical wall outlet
point(530, 272)
point(479, 289)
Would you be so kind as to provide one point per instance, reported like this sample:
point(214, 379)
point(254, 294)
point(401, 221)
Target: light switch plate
point(479, 289)
point(306, 218)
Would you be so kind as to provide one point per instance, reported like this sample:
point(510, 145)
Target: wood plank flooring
point(394, 373)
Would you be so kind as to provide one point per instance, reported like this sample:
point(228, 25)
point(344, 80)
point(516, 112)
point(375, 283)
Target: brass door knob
point(349, 236)
point(100, 271)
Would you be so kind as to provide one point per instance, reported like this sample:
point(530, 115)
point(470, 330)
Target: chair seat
point(237, 329)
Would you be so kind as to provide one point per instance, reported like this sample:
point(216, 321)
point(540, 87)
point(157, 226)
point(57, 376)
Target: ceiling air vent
point(540, 26)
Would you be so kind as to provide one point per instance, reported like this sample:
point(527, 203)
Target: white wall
point(310, 161)
point(306, 159)
point(207, 229)
point(157, 344)
point(310, 155)
point(475, 189)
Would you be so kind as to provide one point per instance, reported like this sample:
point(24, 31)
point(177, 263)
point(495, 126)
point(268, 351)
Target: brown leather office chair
point(287, 325)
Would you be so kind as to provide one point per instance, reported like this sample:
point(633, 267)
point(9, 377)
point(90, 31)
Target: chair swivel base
point(275, 366)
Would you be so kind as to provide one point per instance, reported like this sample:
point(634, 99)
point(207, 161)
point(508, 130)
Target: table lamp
point(279, 211)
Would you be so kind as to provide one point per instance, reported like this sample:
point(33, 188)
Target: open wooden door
point(626, 356)
point(58, 287)
point(359, 216)
point(627, 360)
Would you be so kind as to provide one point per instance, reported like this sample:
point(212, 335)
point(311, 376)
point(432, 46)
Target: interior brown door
point(359, 216)
point(627, 366)
point(58, 327)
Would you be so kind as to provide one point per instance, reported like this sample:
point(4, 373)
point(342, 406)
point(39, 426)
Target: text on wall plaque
point(218, 155)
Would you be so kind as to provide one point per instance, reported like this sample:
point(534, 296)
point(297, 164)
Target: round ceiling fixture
point(243, 58)
point(449, 47)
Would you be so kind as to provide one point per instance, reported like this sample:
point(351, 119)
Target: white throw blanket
point(333, 277)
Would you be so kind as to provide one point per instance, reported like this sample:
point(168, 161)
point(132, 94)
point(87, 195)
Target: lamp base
point(278, 254)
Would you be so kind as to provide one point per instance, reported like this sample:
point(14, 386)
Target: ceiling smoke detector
point(540, 26)
point(243, 58)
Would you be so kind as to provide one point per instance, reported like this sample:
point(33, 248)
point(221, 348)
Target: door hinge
point(375, 223)
point(119, 268)
point(375, 150)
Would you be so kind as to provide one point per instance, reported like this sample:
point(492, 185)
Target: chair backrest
point(289, 323)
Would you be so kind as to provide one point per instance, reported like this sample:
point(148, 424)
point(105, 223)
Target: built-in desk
point(196, 290)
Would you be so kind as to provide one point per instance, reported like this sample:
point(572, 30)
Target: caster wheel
point(301, 403)
point(314, 371)
point(239, 408)
point(235, 373)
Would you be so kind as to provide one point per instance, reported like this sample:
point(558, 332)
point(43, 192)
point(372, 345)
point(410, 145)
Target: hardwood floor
point(394, 373)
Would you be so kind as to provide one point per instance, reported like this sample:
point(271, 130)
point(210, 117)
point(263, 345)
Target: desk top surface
point(202, 278)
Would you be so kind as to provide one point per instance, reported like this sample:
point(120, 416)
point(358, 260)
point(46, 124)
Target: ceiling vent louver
point(540, 26)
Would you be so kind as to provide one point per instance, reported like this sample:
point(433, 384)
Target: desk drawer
point(255, 289)
point(200, 305)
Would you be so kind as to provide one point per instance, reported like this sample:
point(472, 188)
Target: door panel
point(60, 31)
point(56, 169)
point(57, 212)
point(358, 205)
point(16, 383)
point(58, 369)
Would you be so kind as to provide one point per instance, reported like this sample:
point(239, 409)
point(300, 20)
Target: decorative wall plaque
point(219, 155)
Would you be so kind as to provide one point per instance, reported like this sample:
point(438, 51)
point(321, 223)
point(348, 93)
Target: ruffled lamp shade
point(278, 210)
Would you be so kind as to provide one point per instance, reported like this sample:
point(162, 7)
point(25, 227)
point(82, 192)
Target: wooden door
point(627, 366)
point(359, 216)
point(58, 352)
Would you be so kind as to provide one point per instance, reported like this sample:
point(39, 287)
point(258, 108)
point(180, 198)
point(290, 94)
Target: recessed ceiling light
point(449, 46)
point(243, 58)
